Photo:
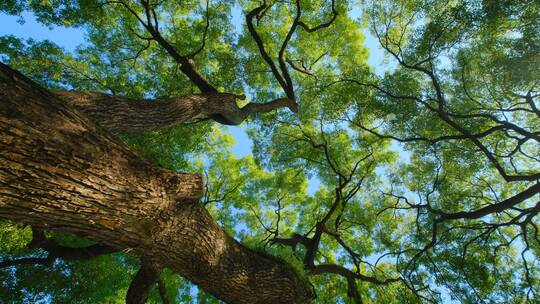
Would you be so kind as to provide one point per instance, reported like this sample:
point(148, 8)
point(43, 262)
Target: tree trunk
point(59, 171)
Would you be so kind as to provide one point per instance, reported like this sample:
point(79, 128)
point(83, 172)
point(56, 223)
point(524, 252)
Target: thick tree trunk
point(122, 114)
point(58, 171)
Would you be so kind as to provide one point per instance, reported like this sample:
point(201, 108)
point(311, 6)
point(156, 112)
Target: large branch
point(57, 251)
point(493, 208)
point(143, 282)
point(336, 269)
point(163, 294)
point(187, 65)
point(59, 171)
point(463, 132)
point(122, 114)
point(262, 50)
point(280, 71)
point(26, 261)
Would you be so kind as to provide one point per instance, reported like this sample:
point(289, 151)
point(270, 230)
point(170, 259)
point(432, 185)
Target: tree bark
point(59, 171)
point(121, 114)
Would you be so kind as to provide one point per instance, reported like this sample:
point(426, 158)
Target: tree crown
point(413, 181)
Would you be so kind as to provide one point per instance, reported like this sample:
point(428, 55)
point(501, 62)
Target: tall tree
point(415, 181)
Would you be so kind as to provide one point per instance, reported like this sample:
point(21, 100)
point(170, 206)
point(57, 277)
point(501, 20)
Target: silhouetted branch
point(55, 251)
point(142, 284)
point(163, 294)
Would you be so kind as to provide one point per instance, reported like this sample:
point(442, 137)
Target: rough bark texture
point(59, 171)
point(122, 114)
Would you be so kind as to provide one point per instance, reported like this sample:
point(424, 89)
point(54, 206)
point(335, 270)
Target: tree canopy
point(415, 181)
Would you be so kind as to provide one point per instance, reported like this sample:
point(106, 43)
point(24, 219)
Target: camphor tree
point(117, 181)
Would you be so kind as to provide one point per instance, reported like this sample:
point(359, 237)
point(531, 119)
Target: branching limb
point(205, 33)
point(494, 208)
point(163, 294)
point(352, 291)
point(257, 13)
point(187, 65)
point(27, 261)
point(337, 269)
point(143, 282)
point(280, 71)
point(121, 114)
point(56, 251)
point(322, 25)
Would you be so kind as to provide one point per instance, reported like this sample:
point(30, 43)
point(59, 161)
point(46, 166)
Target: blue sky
point(68, 38)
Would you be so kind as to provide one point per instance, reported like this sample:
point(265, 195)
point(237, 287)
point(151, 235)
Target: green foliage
point(100, 280)
point(392, 131)
point(14, 238)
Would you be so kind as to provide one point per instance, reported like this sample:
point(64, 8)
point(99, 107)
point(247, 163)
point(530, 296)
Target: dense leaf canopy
point(414, 181)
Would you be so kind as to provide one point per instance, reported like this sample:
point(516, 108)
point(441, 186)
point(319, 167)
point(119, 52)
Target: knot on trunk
point(183, 186)
point(223, 108)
